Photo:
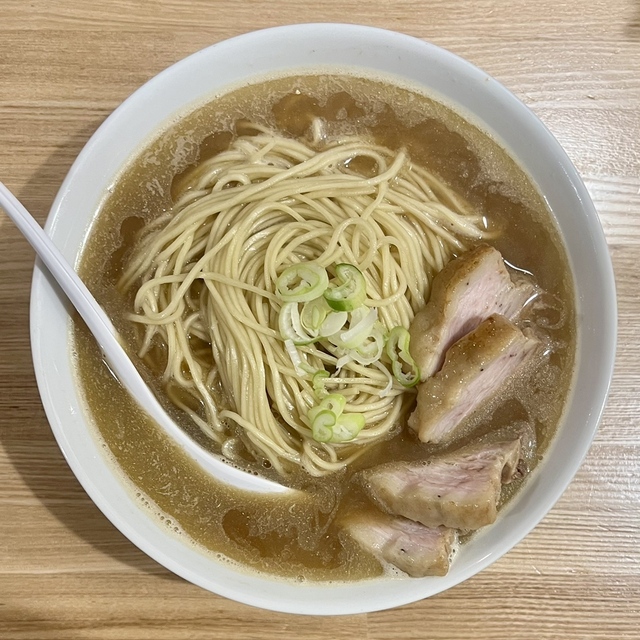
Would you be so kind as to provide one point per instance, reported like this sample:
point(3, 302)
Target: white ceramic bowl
point(456, 82)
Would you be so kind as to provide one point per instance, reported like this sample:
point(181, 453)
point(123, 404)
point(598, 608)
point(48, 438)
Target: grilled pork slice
point(466, 292)
point(411, 547)
point(474, 370)
point(460, 490)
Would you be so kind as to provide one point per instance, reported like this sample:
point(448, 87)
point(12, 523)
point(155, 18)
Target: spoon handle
point(107, 337)
point(74, 288)
point(69, 281)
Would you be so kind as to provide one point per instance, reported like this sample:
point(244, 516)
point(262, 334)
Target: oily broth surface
point(297, 538)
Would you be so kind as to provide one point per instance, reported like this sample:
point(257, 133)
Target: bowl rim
point(51, 324)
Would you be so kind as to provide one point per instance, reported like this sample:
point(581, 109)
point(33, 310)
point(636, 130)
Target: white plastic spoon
point(107, 337)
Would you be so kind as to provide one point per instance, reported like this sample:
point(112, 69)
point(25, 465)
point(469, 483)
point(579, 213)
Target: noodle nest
point(204, 277)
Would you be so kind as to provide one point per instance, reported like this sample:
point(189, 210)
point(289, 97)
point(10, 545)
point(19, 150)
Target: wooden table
point(65, 571)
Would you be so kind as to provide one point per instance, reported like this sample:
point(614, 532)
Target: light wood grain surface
point(65, 571)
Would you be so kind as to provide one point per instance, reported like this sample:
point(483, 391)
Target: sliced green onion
point(296, 360)
point(301, 366)
point(318, 383)
point(333, 323)
point(322, 426)
point(360, 331)
point(347, 427)
point(334, 402)
point(314, 313)
point(326, 426)
point(302, 282)
point(404, 368)
point(320, 320)
point(387, 390)
point(290, 326)
point(350, 293)
point(370, 350)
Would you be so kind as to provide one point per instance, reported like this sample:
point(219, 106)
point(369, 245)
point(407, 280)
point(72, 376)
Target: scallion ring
point(351, 290)
point(322, 426)
point(403, 366)
point(302, 282)
point(347, 427)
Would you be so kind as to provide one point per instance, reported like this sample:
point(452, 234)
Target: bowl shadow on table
point(50, 479)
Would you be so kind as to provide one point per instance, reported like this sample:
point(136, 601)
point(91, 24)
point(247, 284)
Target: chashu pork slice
point(411, 547)
point(476, 367)
point(460, 490)
point(467, 291)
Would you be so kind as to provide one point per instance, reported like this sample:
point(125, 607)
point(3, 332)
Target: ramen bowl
point(325, 47)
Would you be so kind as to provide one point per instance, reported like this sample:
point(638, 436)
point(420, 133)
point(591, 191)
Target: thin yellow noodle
point(242, 217)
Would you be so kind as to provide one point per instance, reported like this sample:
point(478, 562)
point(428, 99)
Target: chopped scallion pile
point(316, 309)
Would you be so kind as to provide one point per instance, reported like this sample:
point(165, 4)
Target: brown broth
point(298, 538)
